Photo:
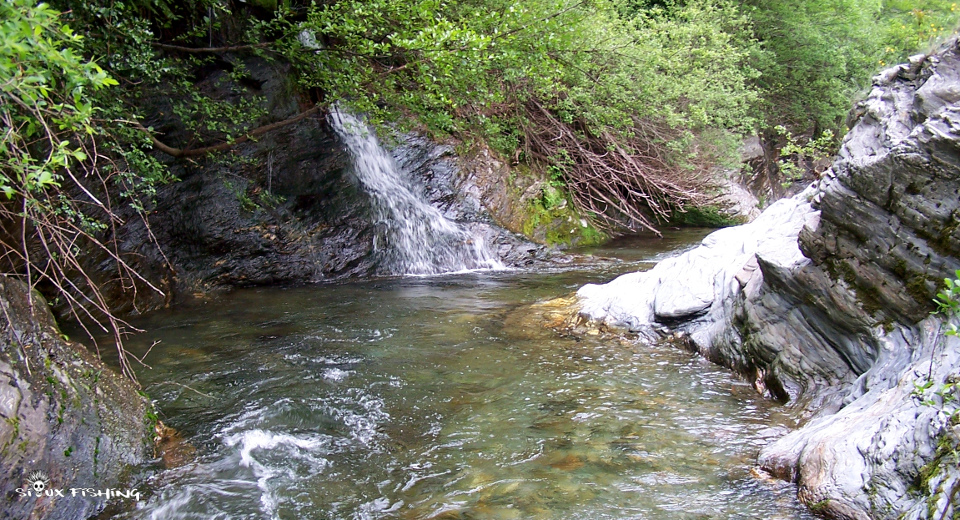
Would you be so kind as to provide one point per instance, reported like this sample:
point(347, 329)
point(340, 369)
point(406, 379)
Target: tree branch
point(197, 152)
point(210, 50)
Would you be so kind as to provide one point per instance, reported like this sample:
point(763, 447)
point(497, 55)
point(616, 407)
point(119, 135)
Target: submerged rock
point(63, 414)
point(824, 300)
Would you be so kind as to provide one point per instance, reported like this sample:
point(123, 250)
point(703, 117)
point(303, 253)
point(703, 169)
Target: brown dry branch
point(624, 183)
point(210, 50)
point(45, 232)
point(45, 247)
point(199, 152)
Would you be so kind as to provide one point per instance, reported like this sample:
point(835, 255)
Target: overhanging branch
point(197, 152)
point(210, 50)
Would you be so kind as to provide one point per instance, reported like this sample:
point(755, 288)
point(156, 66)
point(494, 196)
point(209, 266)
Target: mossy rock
point(704, 216)
point(551, 219)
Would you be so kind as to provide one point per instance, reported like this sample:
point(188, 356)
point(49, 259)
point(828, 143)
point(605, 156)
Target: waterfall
point(411, 236)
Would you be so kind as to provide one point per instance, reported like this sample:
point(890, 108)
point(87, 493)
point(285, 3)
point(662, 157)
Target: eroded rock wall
point(284, 209)
point(62, 413)
point(824, 301)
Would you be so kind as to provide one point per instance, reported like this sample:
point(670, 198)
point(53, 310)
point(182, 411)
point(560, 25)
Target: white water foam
point(251, 440)
point(296, 448)
point(412, 236)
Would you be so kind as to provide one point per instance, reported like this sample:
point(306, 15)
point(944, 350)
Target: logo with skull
point(38, 481)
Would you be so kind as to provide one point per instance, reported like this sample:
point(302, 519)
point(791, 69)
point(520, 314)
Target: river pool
point(415, 398)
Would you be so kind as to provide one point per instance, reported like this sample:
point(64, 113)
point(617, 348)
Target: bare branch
point(198, 152)
point(210, 50)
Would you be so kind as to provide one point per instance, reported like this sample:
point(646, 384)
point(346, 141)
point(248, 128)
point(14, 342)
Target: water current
point(431, 398)
point(412, 236)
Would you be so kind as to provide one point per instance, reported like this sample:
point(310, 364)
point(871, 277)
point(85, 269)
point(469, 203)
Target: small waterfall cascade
point(412, 236)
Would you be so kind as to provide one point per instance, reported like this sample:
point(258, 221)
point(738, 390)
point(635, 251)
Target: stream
point(423, 398)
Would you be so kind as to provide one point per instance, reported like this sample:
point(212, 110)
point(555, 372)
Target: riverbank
point(823, 301)
point(72, 431)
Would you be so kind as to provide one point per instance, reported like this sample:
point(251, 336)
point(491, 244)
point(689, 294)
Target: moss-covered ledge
point(62, 413)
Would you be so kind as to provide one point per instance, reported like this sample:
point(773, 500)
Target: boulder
point(64, 414)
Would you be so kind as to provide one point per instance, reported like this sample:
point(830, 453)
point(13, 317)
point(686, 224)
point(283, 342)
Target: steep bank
point(824, 299)
point(64, 414)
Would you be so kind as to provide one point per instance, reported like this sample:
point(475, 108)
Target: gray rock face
point(891, 204)
point(459, 194)
point(63, 413)
point(282, 210)
point(824, 301)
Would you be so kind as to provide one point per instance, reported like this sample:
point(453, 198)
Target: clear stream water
point(425, 397)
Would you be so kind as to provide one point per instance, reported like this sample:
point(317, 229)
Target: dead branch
point(198, 152)
point(624, 182)
point(210, 50)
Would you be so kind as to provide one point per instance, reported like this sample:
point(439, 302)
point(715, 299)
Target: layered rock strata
point(824, 302)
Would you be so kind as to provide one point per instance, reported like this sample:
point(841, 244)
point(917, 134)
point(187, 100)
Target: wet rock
point(462, 194)
point(62, 413)
point(282, 210)
point(539, 319)
point(824, 301)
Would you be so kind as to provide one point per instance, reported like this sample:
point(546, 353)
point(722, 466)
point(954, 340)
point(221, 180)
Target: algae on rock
point(63, 413)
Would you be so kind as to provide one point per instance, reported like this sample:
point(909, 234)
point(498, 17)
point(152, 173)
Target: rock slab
point(62, 413)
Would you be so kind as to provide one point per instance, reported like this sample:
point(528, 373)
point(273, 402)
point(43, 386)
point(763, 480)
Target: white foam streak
point(259, 439)
point(412, 236)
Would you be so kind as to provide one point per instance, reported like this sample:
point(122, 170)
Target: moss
point(551, 219)
point(821, 506)
point(150, 418)
point(943, 242)
point(900, 268)
point(15, 423)
point(868, 296)
point(946, 456)
point(704, 216)
point(919, 288)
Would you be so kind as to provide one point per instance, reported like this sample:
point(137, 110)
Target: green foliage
point(471, 64)
point(948, 302)
point(798, 158)
point(909, 26)
point(45, 99)
point(695, 61)
point(815, 56)
point(240, 192)
point(60, 157)
point(643, 84)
